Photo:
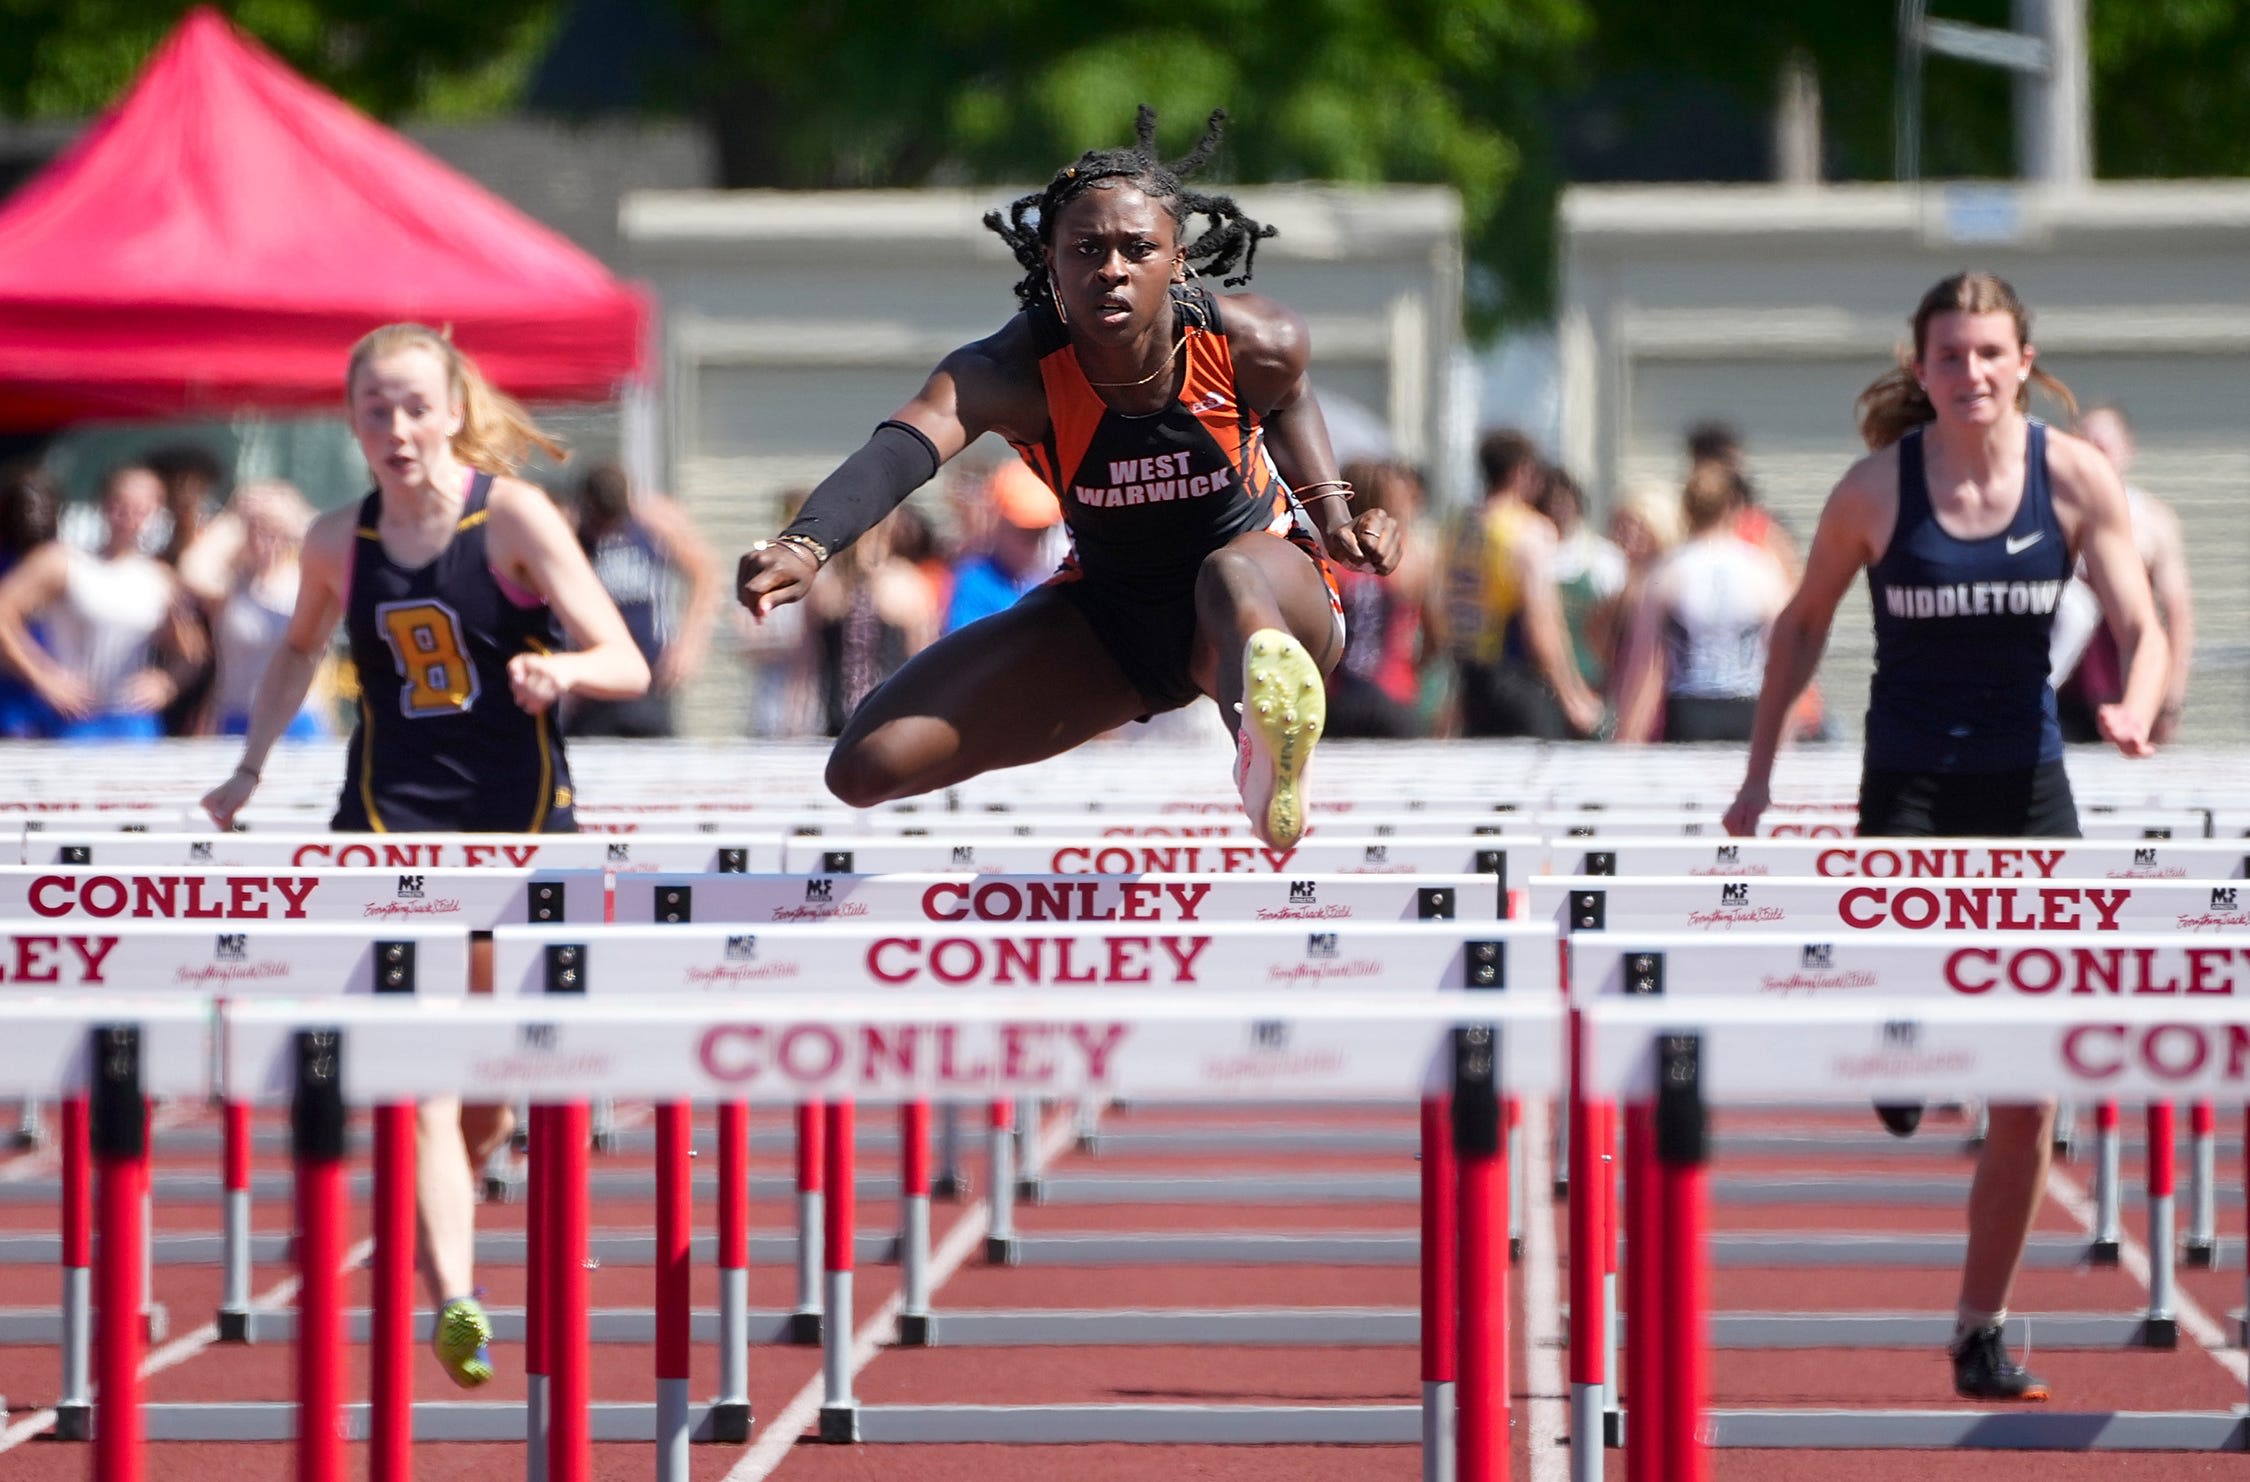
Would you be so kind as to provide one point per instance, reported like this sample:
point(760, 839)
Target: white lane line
point(780, 1435)
point(2132, 1256)
point(1549, 1395)
point(186, 1346)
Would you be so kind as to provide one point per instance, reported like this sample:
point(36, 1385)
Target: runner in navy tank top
point(1968, 515)
point(441, 744)
point(1180, 430)
point(456, 584)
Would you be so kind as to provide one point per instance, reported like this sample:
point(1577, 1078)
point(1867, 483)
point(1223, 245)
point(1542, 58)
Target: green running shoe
point(1284, 705)
point(463, 1342)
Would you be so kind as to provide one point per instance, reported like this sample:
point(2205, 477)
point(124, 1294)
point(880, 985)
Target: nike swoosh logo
point(2018, 544)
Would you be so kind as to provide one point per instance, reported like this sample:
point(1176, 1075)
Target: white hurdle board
point(1122, 899)
point(637, 853)
point(44, 1044)
point(1137, 825)
point(1999, 859)
point(289, 959)
point(1842, 822)
point(1089, 853)
point(699, 960)
point(885, 1047)
point(2081, 967)
point(1581, 903)
point(478, 899)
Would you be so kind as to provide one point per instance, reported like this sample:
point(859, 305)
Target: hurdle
point(696, 959)
point(1673, 1059)
point(1151, 1044)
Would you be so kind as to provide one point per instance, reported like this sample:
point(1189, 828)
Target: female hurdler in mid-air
point(1180, 430)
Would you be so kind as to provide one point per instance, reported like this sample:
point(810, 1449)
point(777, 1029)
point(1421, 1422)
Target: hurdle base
point(952, 1186)
point(1003, 1250)
point(236, 1327)
point(839, 1425)
point(1613, 1430)
point(2200, 1255)
point(2103, 1253)
point(730, 1422)
point(74, 1422)
point(2160, 1332)
point(804, 1329)
point(917, 1330)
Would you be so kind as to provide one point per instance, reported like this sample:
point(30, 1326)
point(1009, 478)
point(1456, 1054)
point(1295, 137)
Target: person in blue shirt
point(1014, 556)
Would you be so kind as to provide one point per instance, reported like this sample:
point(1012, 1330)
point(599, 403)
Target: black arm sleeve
point(890, 465)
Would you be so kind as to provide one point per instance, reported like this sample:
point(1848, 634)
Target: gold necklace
point(1177, 346)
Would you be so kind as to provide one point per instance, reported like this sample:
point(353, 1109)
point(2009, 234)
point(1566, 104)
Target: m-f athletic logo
point(539, 1037)
point(410, 887)
point(1321, 944)
point(1734, 895)
point(234, 946)
point(1270, 1034)
point(2224, 898)
point(2143, 858)
point(200, 851)
point(742, 949)
point(820, 891)
point(1303, 893)
point(1727, 854)
point(1377, 854)
point(964, 854)
point(620, 854)
point(1819, 955)
point(1901, 1034)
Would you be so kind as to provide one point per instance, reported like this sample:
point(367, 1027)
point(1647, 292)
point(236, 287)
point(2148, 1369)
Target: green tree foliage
point(871, 92)
point(73, 58)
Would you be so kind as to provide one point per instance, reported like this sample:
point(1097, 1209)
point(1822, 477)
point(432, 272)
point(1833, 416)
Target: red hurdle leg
point(1682, 1153)
point(391, 1357)
point(1644, 1285)
point(2201, 1249)
point(539, 1267)
point(1440, 1291)
point(674, 1222)
point(839, 1412)
point(323, 1214)
point(2160, 1329)
point(1481, 1149)
point(914, 1223)
point(570, 1450)
point(805, 1325)
point(1000, 1142)
point(118, 1135)
point(74, 1416)
point(234, 1224)
point(1604, 1117)
point(730, 1413)
point(1589, 1214)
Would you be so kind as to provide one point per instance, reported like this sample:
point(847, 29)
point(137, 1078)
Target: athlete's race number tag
point(426, 643)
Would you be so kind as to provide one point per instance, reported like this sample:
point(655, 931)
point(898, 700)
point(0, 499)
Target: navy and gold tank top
point(1961, 632)
point(1147, 497)
point(441, 742)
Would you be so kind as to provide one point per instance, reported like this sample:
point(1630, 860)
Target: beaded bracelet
point(805, 543)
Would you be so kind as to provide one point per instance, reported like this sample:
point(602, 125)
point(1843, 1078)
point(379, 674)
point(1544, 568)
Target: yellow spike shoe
point(1284, 706)
point(464, 1342)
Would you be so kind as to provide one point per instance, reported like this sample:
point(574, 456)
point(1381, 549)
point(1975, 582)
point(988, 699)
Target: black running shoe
point(1900, 1117)
point(1982, 1370)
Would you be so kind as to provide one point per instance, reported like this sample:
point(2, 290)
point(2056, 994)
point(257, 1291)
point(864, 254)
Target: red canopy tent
point(220, 239)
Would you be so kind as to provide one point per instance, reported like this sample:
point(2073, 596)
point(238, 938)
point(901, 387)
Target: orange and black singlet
point(441, 743)
point(1146, 497)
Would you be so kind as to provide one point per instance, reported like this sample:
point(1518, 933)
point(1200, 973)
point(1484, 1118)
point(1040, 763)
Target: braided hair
point(1028, 225)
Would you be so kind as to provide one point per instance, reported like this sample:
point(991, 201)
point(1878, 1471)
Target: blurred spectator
point(247, 607)
point(1505, 632)
point(1718, 443)
point(1589, 570)
point(784, 699)
point(1015, 555)
point(1644, 525)
point(192, 476)
point(105, 614)
point(1696, 653)
point(868, 613)
point(914, 540)
point(638, 544)
point(29, 509)
point(1376, 689)
point(2083, 658)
